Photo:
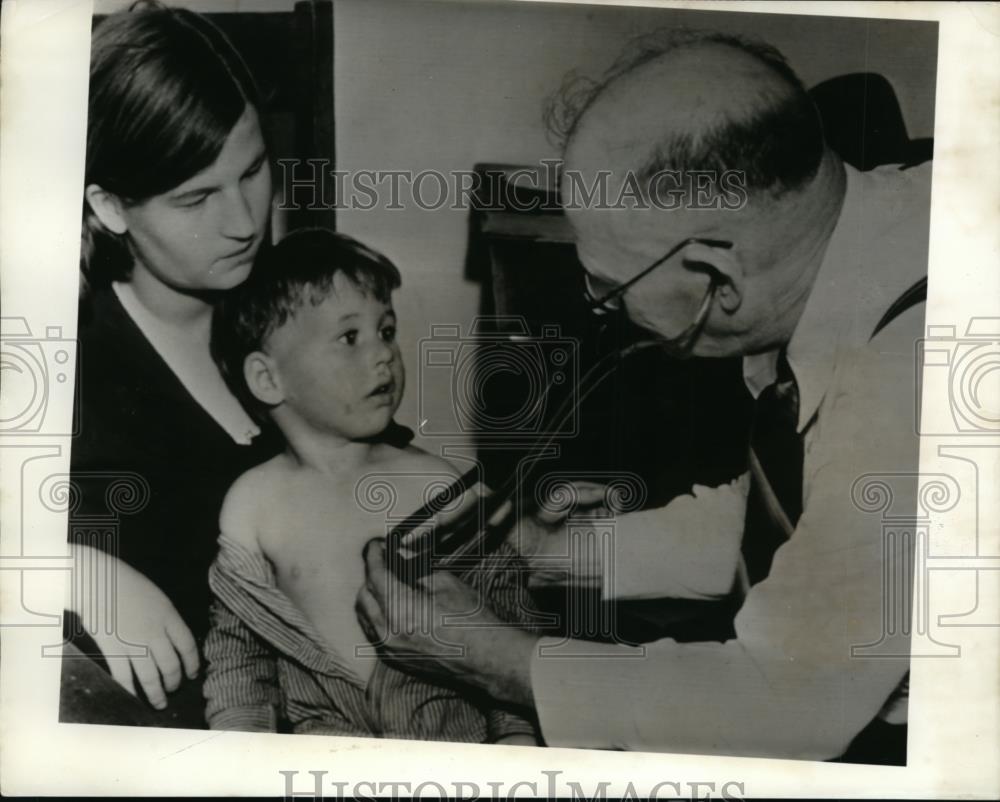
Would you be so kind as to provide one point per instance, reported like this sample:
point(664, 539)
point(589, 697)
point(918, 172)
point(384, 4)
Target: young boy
point(309, 340)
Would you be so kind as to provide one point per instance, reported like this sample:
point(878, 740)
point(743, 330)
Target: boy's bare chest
point(314, 537)
point(320, 531)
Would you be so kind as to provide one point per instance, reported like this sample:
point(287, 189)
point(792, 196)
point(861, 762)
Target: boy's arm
point(241, 684)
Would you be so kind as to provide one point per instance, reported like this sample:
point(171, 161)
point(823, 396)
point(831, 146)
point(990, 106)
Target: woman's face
point(204, 233)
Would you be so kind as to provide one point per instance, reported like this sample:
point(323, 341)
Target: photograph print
point(509, 373)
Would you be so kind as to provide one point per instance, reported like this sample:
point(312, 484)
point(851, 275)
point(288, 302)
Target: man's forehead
point(613, 240)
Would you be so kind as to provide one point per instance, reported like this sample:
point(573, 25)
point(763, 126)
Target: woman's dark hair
point(166, 88)
point(299, 270)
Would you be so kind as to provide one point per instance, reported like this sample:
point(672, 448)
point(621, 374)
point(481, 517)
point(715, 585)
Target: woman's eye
point(195, 202)
point(388, 333)
point(349, 337)
point(254, 170)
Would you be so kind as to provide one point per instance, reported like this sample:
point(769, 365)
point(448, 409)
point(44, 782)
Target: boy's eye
point(349, 337)
point(388, 333)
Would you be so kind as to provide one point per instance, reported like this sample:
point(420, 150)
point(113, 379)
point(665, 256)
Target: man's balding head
point(685, 102)
point(736, 136)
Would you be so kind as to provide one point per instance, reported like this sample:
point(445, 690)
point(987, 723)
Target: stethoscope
point(468, 543)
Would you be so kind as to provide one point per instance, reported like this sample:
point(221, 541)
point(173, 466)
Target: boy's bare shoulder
point(412, 459)
point(248, 500)
point(416, 476)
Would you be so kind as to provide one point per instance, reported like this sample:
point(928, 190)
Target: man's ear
point(262, 378)
point(729, 275)
point(108, 208)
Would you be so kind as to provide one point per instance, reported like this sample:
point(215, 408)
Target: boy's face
point(339, 363)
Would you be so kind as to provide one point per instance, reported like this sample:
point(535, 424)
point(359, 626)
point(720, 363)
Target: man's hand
point(136, 628)
point(543, 540)
point(440, 628)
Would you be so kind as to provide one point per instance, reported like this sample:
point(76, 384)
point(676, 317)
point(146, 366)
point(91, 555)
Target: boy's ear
point(108, 208)
point(262, 378)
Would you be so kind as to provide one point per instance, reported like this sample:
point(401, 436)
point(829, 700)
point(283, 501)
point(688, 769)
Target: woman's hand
point(136, 627)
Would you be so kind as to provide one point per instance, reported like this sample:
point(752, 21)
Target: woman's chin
point(231, 277)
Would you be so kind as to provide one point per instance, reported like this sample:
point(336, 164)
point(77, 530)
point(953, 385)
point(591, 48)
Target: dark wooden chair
point(863, 122)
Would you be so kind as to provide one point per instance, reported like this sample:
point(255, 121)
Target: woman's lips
point(244, 251)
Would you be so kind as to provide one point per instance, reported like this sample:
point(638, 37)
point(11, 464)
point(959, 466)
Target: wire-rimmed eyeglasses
point(610, 299)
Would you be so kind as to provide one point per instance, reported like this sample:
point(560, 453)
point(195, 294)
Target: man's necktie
point(776, 451)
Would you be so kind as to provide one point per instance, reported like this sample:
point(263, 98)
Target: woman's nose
point(239, 221)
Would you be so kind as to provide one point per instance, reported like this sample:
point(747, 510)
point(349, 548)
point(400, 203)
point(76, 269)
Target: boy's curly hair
point(298, 270)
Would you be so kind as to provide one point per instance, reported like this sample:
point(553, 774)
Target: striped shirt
point(269, 669)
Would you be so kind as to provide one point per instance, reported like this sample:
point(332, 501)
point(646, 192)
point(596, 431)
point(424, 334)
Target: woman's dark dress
point(139, 428)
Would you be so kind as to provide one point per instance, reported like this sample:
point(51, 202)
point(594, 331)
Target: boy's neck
point(325, 452)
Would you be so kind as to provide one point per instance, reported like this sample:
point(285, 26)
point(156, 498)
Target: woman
point(177, 200)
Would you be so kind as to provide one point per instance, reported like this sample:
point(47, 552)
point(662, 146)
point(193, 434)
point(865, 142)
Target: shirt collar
point(812, 349)
point(878, 248)
point(760, 371)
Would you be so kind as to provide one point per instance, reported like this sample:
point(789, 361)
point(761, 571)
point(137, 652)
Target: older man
point(816, 281)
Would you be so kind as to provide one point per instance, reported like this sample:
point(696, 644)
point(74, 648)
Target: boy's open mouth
point(383, 389)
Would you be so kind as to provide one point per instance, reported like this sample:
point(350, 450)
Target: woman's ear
point(108, 208)
point(729, 276)
point(261, 376)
